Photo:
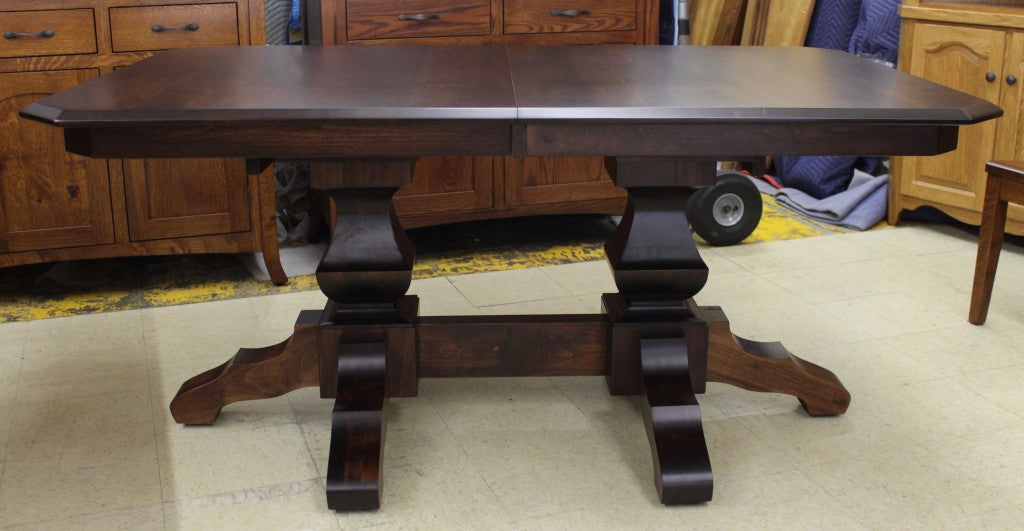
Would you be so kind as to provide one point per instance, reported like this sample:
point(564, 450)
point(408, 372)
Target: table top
point(617, 100)
point(219, 85)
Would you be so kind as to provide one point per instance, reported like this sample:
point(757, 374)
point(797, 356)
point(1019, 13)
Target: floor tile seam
point(214, 429)
point(167, 504)
point(560, 285)
point(82, 457)
point(10, 421)
point(747, 269)
point(91, 513)
point(993, 369)
point(78, 400)
point(568, 399)
point(889, 343)
point(454, 287)
point(883, 337)
point(852, 512)
point(309, 449)
point(156, 445)
point(476, 469)
point(524, 301)
point(763, 278)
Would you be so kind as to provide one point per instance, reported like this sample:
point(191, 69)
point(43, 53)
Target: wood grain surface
point(418, 83)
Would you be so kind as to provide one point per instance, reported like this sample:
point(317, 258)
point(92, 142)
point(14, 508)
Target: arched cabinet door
point(971, 60)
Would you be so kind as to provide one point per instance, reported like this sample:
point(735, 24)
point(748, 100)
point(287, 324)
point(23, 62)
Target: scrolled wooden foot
point(357, 428)
point(769, 367)
point(682, 468)
point(252, 374)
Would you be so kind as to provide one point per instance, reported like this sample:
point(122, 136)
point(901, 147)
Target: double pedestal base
point(369, 343)
point(360, 374)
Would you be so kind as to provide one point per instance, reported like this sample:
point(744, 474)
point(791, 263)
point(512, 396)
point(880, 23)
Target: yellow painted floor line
point(457, 250)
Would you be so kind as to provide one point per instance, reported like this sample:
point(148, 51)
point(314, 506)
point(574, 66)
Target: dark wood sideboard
point(55, 206)
point(451, 189)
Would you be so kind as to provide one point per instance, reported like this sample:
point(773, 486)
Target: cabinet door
point(547, 180)
point(1010, 134)
point(170, 198)
point(447, 184)
point(961, 58)
point(48, 197)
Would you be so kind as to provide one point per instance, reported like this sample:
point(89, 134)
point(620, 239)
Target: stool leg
point(990, 242)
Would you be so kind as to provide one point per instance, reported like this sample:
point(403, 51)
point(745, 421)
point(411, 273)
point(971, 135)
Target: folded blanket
point(859, 207)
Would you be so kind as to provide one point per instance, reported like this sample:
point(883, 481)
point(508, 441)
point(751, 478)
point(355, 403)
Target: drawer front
point(134, 29)
point(391, 19)
point(55, 32)
point(559, 16)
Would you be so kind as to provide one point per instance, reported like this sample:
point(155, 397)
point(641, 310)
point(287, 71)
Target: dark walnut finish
point(364, 115)
point(448, 189)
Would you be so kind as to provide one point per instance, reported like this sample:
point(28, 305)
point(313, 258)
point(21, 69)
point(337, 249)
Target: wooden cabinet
point(48, 198)
point(978, 49)
point(447, 189)
point(56, 206)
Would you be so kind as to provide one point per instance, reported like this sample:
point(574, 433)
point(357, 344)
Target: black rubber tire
point(731, 189)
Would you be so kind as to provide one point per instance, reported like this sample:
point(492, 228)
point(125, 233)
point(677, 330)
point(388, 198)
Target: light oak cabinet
point(978, 49)
point(56, 206)
point(449, 189)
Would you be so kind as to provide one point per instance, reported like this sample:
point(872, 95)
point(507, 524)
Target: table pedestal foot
point(357, 428)
point(682, 469)
point(769, 367)
point(252, 374)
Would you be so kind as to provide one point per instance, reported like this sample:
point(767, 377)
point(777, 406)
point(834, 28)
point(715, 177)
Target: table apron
point(730, 141)
point(717, 141)
point(297, 141)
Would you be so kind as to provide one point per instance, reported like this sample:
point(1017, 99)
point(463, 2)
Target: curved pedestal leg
point(252, 374)
point(769, 367)
point(365, 273)
point(357, 428)
point(682, 469)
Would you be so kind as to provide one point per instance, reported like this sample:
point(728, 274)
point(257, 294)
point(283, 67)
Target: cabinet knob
point(1011, 79)
point(990, 77)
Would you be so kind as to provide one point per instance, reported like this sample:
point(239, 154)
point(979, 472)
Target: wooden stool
point(1005, 183)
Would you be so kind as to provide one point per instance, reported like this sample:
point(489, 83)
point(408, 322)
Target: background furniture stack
point(750, 22)
point(975, 47)
point(450, 189)
point(55, 206)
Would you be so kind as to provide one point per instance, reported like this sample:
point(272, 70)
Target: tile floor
point(934, 437)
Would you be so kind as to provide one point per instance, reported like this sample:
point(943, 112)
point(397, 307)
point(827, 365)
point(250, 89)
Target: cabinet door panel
point(1010, 134)
point(545, 180)
point(48, 197)
point(960, 58)
point(447, 184)
point(170, 198)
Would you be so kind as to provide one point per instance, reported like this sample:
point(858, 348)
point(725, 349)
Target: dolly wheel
point(726, 213)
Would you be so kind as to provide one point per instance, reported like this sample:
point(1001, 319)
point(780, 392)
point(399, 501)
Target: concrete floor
point(934, 437)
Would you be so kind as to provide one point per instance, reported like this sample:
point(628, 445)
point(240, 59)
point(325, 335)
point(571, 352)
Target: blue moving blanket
point(868, 28)
point(859, 207)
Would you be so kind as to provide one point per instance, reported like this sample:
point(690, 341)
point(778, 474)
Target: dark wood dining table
point(361, 115)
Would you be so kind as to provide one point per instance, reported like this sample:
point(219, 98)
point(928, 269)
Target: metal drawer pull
point(47, 33)
point(570, 13)
point(1011, 79)
point(157, 28)
point(421, 16)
